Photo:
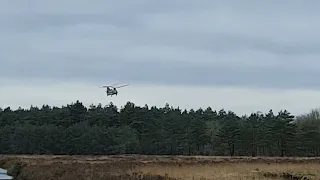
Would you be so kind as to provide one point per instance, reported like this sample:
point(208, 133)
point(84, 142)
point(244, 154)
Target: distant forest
point(74, 129)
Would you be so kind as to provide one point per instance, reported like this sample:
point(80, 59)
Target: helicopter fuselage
point(111, 91)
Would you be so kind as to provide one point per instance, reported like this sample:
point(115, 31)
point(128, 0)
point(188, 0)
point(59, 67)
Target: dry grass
point(159, 168)
point(232, 171)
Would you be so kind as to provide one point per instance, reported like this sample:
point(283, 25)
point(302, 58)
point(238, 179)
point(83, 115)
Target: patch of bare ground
point(137, 167)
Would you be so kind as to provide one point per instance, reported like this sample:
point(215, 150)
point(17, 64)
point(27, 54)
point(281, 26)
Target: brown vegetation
point(158, 168)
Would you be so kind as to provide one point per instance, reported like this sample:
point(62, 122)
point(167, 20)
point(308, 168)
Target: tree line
point(108, 130)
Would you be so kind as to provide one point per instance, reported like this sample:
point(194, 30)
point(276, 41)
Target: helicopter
point(111, 90)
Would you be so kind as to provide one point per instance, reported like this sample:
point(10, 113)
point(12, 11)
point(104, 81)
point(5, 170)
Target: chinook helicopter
point(111, 90)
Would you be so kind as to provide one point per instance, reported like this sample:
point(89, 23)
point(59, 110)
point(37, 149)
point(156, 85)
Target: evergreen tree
point(75, 129)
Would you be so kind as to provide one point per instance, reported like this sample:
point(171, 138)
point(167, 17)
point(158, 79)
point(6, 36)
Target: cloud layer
point(268, 44)
point(184, 42)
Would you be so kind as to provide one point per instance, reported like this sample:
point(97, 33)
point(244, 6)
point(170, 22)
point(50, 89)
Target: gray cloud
point(172, 74)
point(248, 43)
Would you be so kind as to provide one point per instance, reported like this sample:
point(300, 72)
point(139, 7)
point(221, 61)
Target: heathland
point(139, 167)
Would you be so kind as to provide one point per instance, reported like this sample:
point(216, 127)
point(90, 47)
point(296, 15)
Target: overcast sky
point(243, 56)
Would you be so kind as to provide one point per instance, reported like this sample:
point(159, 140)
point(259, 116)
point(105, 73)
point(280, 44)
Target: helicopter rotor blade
point(109, 86)
point(122, 86)
point(114, 84)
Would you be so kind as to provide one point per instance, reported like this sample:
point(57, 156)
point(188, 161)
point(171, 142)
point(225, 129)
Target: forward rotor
point(113, 86)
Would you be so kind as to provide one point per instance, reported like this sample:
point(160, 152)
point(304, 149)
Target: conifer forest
point(74, 129)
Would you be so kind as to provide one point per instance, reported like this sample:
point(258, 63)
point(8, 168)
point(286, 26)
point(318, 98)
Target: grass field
point(137, 167)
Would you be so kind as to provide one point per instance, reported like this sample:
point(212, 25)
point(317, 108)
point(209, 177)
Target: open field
point(136, 167)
